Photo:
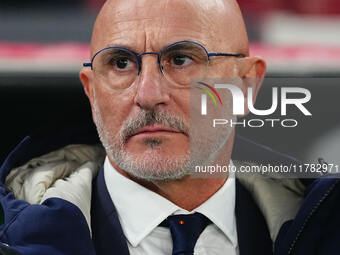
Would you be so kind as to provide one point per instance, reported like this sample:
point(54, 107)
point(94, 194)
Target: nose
point(151, 88)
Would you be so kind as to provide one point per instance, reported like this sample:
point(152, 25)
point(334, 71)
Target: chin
point(151, 166)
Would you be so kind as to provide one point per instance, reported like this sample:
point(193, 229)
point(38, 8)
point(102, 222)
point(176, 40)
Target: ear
point(252, 71)
point(86, 78)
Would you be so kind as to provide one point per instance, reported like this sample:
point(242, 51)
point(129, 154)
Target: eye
point(122, 63)
point(181, 60)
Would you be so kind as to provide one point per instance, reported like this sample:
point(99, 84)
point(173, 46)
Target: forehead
point(152, 24)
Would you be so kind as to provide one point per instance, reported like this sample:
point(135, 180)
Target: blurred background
point(43, 44)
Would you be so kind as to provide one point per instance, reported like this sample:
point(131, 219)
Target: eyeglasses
point(179, 62)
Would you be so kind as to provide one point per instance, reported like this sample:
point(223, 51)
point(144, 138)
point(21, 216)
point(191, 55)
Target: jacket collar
point(107, 233)
point(252, 230)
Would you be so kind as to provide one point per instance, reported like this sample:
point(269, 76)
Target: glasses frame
point(159, 55)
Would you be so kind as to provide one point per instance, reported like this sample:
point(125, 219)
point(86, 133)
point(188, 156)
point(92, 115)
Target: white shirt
point(141, 210)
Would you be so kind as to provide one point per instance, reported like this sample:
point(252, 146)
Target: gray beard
point(149, 166)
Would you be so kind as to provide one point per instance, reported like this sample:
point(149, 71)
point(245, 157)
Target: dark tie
point(185, 230)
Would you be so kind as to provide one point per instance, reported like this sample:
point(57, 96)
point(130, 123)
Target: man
point(143, 199)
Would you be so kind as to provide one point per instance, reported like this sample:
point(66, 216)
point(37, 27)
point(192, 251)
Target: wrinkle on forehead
point(219, 20)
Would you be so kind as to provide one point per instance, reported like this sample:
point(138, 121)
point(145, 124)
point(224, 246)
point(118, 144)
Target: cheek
point(181, 100)
point(181, 105)
point(113, 108)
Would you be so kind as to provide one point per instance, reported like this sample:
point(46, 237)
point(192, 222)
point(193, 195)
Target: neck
point(189, 192)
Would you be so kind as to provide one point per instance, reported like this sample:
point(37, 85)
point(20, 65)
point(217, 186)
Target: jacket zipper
point(311, 214)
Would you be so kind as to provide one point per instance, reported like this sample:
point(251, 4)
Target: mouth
point(155, 130)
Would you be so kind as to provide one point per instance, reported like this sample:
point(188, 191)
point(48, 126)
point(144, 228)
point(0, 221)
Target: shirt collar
point(220, 208)
point(141, 210)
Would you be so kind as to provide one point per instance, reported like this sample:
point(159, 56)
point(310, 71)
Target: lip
point(155, 129)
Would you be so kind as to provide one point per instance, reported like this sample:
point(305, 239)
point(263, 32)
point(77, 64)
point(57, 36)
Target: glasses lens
point(117, 66)
point(184, 61)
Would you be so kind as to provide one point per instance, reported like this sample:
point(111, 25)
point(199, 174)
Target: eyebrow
point(121, 46)
point(109, 53)
point(182, 46)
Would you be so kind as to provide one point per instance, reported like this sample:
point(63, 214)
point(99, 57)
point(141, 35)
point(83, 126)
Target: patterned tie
point(185, 230)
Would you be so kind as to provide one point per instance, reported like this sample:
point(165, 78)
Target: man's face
point(145, 127)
